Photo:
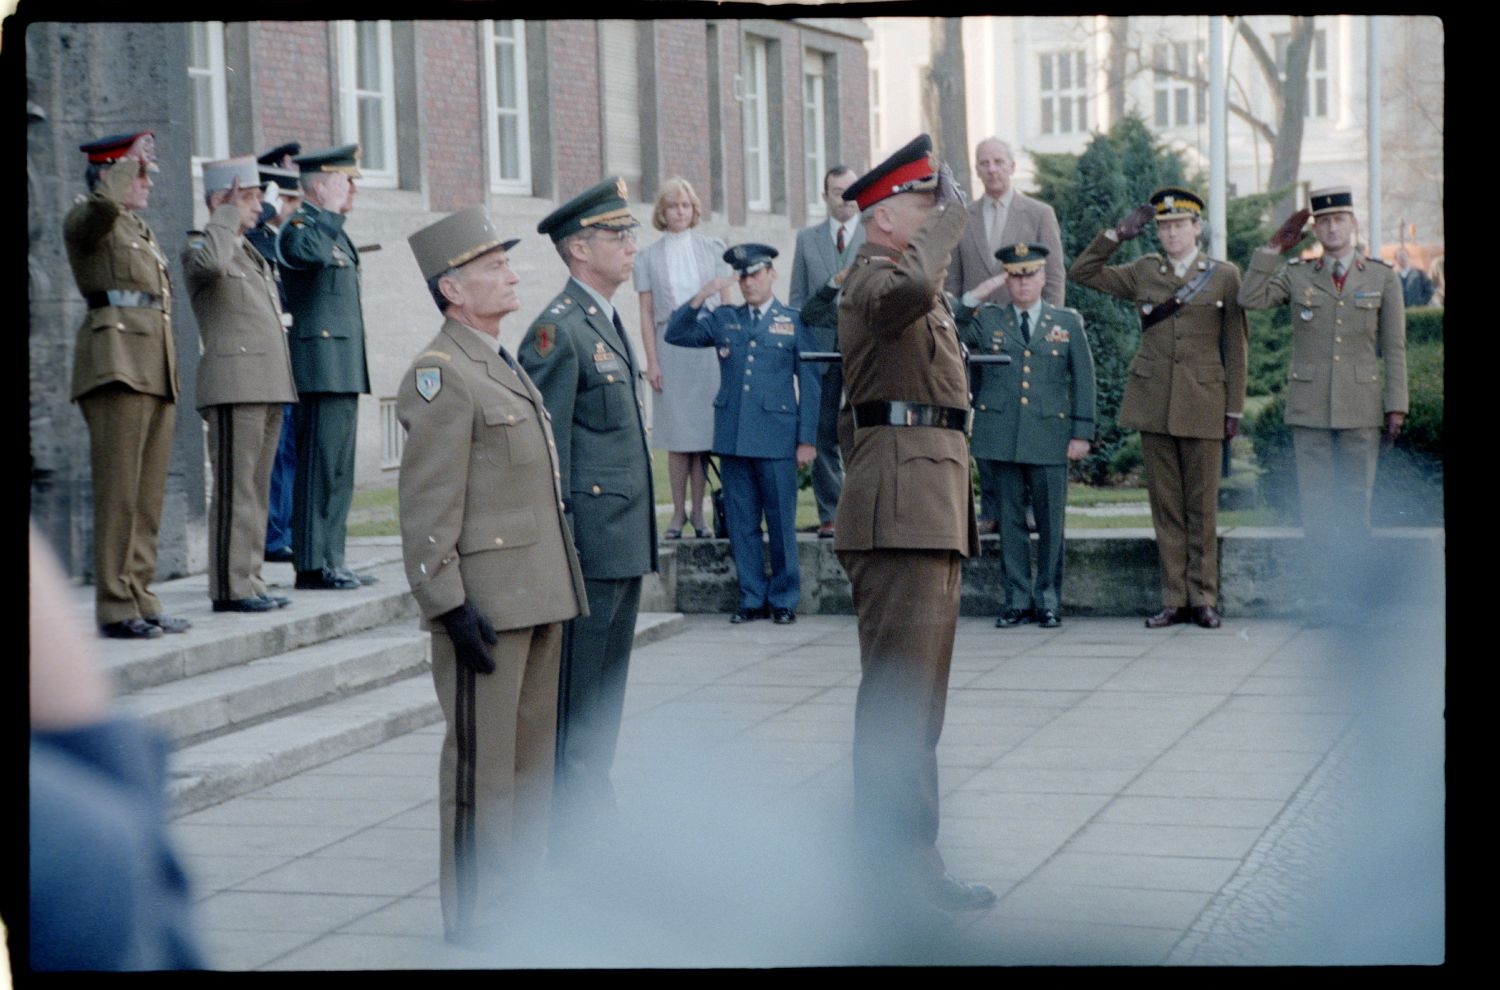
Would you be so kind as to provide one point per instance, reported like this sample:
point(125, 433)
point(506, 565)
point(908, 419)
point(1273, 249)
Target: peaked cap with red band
point(912, 169)
point(110, 149)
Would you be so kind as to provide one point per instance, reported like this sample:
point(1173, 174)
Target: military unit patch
point(429, 382)
point(546, 337)
point(1057, 335)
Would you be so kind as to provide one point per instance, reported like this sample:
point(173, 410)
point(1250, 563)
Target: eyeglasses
point(616, 236)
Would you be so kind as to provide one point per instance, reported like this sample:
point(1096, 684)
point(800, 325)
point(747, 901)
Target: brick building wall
point(573, 99)
point(294, 83)
point(682, 110)
point(452, 101)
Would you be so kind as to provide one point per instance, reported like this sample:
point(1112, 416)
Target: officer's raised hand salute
point(1134, 222)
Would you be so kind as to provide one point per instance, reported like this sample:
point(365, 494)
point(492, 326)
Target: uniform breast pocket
point(511, 435)
point(604, 407)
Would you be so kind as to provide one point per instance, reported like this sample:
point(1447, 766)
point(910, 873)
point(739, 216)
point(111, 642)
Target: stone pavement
point(1264, 793)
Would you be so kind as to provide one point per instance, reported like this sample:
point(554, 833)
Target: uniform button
point(994, 347)
point(1338, 340)
point(1341, 302)
point(1026, 368)
point(609, 378)
point(1061, 416)
point(325, 333)
point(135, 244)
point(982, 407)
point(242, 350)
point(751, 358)
point(1335, 357)
point(510, 417)
point(747, 388)
point(1026, 354)
point(1054, 354)
point(597, 489)
point(752, 343)
point(431, 539)
point(1025, 401)
point(1025, 384)
point(748, 372)
point(119, 326)
point(1339, 322)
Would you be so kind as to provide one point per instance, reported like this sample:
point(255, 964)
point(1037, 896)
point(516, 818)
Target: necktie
point(509, 361)
point(997, 224)
point(1339, 272)
point(1026, 326)
point(624, 341)
point(838, 242)
point(754, 315)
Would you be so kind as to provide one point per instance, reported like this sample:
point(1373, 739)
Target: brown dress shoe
point(1170, 615)
point(1205, 616)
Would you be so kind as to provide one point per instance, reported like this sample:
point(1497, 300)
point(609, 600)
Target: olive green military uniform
point(1024, 415)
point(582, 363)
point(125, 382)
point(1188, 374)
point(244, 377)
point(1336, 400)
point(320, 269)
point(905, 521)
point(482, 521)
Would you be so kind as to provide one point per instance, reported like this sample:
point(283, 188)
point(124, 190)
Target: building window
point(619, 96)
point(1179, 100)
point(814, 129)
point(1317, 71)
point(757, 126)
point(1064, 92)
point(368, 97)
point(206, 78)
point(392, 435)
point(505, 95)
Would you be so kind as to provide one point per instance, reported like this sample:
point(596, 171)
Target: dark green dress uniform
point(320, 270)
point(125, 383)
point(581, 361)
point(1025, 413)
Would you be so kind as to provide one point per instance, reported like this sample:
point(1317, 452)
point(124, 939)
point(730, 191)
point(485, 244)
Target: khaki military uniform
point(904, 523)
point(482, 520)
point(125, 382)
point(1188, 374)
point(1336, 400)
point(244, 377)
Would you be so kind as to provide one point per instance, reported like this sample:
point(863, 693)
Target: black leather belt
point(910, 414)
point(127, 298)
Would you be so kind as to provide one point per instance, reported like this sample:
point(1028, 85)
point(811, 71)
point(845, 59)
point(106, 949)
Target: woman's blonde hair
point(670, 190)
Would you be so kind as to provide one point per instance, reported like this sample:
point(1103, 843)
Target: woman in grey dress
point(686, 379)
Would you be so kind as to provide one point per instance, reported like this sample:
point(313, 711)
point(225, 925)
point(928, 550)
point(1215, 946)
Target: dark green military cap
point(280, 153)
point(603, 207)
point(1021, 259)
point(456, 240)
point(1173, 202)
point(285, 178)
point(344, 158)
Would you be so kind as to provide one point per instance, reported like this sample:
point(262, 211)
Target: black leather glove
point(1135, 221)
point(470, 631)
point(1289, 233)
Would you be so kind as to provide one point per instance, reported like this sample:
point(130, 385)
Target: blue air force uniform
point(759, 419)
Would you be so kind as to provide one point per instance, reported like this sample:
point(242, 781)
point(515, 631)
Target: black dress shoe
point(324, 580)
point(244, 605)
point(1205, 616)
point(130, 629)
point(952, 894)
point(280, 601)
point(1047, 618)
point(279, 556)
point(750, 614)
point(1013, 617)
point(1170, 615)
point(167, 624)
point(783, 616)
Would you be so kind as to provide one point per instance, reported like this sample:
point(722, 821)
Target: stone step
point(195, 708)
point(272, 747)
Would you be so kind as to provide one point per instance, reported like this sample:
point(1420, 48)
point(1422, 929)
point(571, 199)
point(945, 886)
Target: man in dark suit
point(578, 354)
point(492, 567)
point(1186, 390)
point(824, 251)
point(906, 518)
point(765, 422)
point(1031, 417)
point(124, 379)
point(320, 269)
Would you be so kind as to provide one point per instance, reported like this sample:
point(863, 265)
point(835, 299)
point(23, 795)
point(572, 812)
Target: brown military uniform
point(125, 382)
point(482, 520)
point(1335, 400)
point(244, 377)
point(904, 523)
point(1188, 374)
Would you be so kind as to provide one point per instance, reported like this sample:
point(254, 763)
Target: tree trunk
point(944, 104)
point(1286, 153)
point(1116, 71)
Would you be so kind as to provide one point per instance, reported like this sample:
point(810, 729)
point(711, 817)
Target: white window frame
point(392, 435)
point(757, 121)
point(519, 184)
point(877, 139)
point(213, 75)
point(350, 96)
point(815, 128)
point(1072, 98)
point(1319, 85)
point(1182, 57)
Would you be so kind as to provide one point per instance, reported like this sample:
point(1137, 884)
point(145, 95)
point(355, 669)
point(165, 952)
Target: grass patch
point(373, 513)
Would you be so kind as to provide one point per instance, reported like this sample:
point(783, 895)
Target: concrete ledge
point(1107, 572)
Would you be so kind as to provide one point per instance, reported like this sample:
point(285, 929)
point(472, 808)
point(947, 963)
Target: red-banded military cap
point(1331, 199)
point(108, 150)
point(912, 169)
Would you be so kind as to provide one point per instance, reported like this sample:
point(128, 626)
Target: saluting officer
point(1348, 319)
point(320, 269)
point(1031, 417)
point(244, 377)
point(124, 378)
point(1186, 388)
point(906, 517)
point(493, 570)
point(764, 427)
point(578, 354)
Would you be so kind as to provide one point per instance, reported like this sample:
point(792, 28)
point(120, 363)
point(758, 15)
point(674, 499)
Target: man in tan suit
point(1347, 315)
point(906, 518)
point(1004, 216)
point(244, 377)
point(1186, 390)
point(124, 379)
point(492, 566)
